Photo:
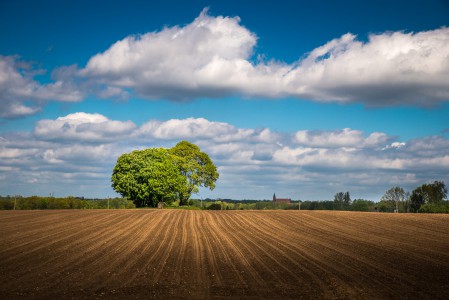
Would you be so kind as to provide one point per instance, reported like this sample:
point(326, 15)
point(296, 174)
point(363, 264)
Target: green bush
point(6, 204)
point(362, 205)
point(36, 202)
point(214, 206)
point(386, 206)
point(442, 208)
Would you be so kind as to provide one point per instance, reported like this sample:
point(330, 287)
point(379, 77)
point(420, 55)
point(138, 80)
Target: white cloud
point(267, 136)
point(340, 138)
point(212, 57)
point(21, 95)
point(79, 154)
point(84, 127)
point(390, 68)
point(196, 128)
point(113, 92)
point(76, 153)
point(177, 62)
point(15, 110)
point(15, 153)
point(81, 118)
point(343, 159)
point(394, 145)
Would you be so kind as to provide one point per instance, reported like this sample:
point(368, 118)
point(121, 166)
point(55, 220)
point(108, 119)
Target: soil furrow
point(171, 254)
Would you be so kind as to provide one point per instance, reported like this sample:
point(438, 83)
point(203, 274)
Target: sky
point(299, 98)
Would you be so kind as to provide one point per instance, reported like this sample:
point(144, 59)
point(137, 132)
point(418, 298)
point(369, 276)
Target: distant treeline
point(355, 205)
point(36, 202)
point(228, 204)
point(427, 198)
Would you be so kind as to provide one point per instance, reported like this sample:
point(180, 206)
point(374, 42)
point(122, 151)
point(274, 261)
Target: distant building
point(281, 200)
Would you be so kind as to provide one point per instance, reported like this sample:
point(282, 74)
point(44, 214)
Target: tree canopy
point(158, 174)
point(395, 195)
point(342, 200)
point(195, 166)
point(429, 193)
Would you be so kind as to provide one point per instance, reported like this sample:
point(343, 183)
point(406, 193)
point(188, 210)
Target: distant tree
point(338, 200)
point(196, 167)
point(442, 208)
point(346, 200)
point(431, 193)
point(214, 206)
point(386, 206)
point(362, 205)
point(395, 195)
point(417, 199)
point(342, 200)
point(436, 191)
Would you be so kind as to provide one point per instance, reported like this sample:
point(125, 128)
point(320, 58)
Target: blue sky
point(298, 98)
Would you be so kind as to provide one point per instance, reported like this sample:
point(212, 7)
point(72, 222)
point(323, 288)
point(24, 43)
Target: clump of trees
point(395, 199)
point(427, 198)
point(229, 204)
point(342, 201)
point(214, 206)
point(36, 202)
point(155, 175)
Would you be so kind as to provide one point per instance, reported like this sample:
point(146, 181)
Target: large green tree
point(196, 167)
point(157, 174)
point(148, 177)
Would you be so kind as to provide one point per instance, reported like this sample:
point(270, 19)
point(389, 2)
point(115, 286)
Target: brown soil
point(143, 254)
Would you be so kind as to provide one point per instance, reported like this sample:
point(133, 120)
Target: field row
point(204, 254)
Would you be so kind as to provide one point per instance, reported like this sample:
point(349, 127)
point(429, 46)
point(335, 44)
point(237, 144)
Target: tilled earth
point(141, 254)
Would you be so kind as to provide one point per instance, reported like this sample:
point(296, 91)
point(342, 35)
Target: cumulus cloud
point(340, 158)
point(197, 128)
point(209, 57)
point(83, 126)
point(21, 95)
point(212, 57)
point(177, 62)
point(76, 153)
point(340, 138)
point(390, 68)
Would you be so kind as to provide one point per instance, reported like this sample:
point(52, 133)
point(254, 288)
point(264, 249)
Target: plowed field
point(106, 254)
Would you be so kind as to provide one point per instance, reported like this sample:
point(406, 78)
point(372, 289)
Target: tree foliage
point(395, 196)
point(147, 177)
point(196, 167)
point(362, 205)
point(428, 193)
point(37, 202)
point(157, 174)
point(342, 200)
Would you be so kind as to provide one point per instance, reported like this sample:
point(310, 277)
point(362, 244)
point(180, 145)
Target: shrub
point(362, 205)
point(214, 206)
point(442, 208)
